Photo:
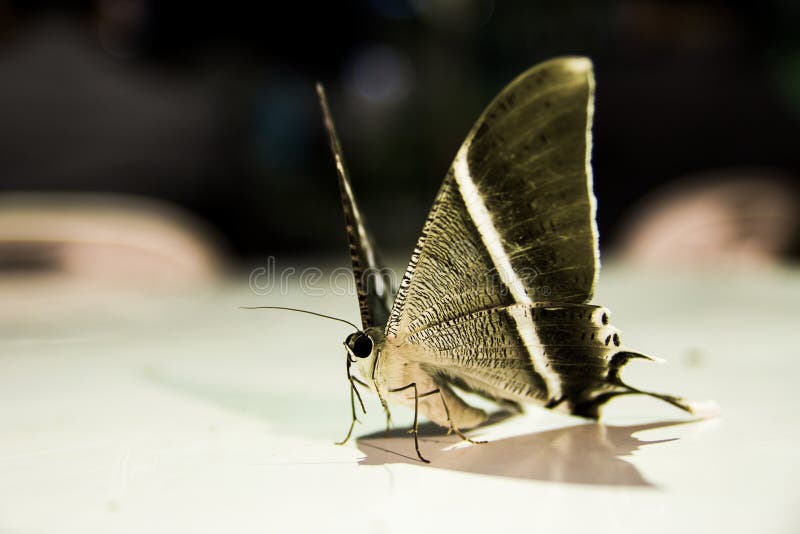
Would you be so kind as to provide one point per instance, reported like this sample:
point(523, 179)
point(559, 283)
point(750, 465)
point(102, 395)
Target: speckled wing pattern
point(497, 288)
point(373, 281)
point(514, 219)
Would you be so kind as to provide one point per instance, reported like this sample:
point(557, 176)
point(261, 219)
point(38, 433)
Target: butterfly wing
point(373, 280)
point(514, 221)
point(494, 298)
point(553, 354)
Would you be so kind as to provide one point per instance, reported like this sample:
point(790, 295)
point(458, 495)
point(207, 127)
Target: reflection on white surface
point(587, 453)
point(184, 413)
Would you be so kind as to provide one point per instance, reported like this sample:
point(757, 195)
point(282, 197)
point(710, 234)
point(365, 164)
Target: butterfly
point(495, 298)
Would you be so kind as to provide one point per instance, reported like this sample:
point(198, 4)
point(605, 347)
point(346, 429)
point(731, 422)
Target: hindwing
point(545, 353)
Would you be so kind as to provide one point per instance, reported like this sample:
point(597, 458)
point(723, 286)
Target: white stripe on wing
point(491, 240)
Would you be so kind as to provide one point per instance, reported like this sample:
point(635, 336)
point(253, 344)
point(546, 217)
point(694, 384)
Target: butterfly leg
point(453, 427)
point(415, 428)
point(353, 394)
point(353, 421)
point(380, 396)
point(388, 415)
point(451, 411)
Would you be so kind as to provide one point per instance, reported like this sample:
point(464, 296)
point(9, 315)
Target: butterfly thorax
point(394, 364)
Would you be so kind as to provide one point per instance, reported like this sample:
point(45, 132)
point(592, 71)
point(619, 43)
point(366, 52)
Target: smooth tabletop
point(133, 412)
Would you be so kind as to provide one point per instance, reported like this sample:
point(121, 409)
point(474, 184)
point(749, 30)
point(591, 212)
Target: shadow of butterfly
point(586, 453)
point(495, 298)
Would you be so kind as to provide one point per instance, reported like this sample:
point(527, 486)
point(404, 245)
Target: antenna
point(300, 311)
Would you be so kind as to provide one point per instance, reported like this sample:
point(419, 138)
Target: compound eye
point(362, 346)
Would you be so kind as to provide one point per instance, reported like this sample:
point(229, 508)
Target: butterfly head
point(360, 344)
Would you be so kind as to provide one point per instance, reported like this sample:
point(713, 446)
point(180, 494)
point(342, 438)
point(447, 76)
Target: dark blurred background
point(212, 107)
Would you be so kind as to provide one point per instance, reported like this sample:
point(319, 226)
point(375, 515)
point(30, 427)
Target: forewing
point(514, 221)
point(372, 279)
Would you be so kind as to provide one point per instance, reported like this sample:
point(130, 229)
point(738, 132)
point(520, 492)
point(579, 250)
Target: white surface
point(186, 414)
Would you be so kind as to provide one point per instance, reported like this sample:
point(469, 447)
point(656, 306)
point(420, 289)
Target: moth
point(495, 299)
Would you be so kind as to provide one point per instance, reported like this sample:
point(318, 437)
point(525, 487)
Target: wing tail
point(590, 406)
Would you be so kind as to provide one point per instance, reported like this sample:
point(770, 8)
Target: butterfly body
point(398, 363)
point(495, 299)
point(575, 343)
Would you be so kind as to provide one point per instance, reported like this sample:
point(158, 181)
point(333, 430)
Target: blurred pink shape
point(107, 240)
point(732, 219)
